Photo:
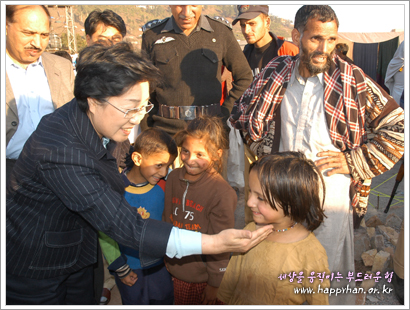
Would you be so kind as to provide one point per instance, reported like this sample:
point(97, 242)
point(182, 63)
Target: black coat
point(65, 187)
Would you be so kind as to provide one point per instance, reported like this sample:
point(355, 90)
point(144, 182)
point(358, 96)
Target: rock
point(368, 257)
point(372, 299)
point(371, 232)
point(390, 250)
point(363, 223)
point(392, 220)
point(381, 261)
point(361, 242)
point(390, 234)
point(374, 221)
point(369, 283)
point(377, 242)
point(360, 299)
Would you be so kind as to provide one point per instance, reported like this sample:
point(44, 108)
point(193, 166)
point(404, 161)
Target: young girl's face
point(154, 167)
point(262, 212)
point(195, 157)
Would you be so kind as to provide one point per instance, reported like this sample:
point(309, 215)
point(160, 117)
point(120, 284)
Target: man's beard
point(306, 59)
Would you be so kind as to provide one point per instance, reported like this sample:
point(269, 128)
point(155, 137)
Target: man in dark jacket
point(263, 45)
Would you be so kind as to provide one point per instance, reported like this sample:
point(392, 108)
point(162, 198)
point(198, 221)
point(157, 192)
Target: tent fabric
point(366, 37)
point(386, 53)
point(370, 37)
point(365, 56)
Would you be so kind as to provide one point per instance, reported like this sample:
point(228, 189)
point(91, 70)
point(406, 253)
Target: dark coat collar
point(85, 131)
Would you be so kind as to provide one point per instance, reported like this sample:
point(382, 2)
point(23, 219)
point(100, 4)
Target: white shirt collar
point(10, 62)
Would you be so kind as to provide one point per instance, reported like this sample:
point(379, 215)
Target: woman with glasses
point(65, 187)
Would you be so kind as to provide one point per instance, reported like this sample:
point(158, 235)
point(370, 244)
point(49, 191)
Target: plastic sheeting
point(386, 53)
point(365, 56)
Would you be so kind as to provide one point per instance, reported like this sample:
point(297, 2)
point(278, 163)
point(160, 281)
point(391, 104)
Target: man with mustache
point(37, 82)
point(332, 111)
point(190, 49)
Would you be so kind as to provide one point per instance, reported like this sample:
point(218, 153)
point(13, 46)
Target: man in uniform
point(190, 50)
point(394, 79)
point(37, 82)
point(263, 45)
point(335, 114)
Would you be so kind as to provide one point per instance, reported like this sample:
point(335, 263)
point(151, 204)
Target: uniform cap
point(250, 11)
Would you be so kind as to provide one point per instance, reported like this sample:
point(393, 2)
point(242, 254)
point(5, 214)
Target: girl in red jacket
point(199, 199)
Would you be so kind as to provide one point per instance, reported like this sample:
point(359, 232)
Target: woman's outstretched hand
point(234, 240)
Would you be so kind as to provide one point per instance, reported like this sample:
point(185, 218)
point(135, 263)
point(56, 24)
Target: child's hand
point(234, 240)
point(209, 295)
point(130, 279)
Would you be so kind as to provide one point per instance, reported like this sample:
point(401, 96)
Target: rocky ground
point(382, 230)
point(380, 239)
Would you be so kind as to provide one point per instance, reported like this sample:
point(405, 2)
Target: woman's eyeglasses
point(131, 113)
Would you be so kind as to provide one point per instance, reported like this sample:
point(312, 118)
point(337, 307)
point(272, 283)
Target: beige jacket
point(60, 75)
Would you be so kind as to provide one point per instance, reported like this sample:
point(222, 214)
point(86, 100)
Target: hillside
point(135, 16)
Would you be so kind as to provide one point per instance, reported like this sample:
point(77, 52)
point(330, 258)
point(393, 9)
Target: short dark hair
point(64, 54)
point(324, 13)
point(150, 141)
point(108, 18)
point(343, 48)
point(153, 140)
point(11, 10)
point(107, 71)
point(293, 183)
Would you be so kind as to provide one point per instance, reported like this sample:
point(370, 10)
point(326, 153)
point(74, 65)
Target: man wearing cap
point(263, 45)
point(190, 50)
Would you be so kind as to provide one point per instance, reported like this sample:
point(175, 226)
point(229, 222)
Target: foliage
point(81, 42)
